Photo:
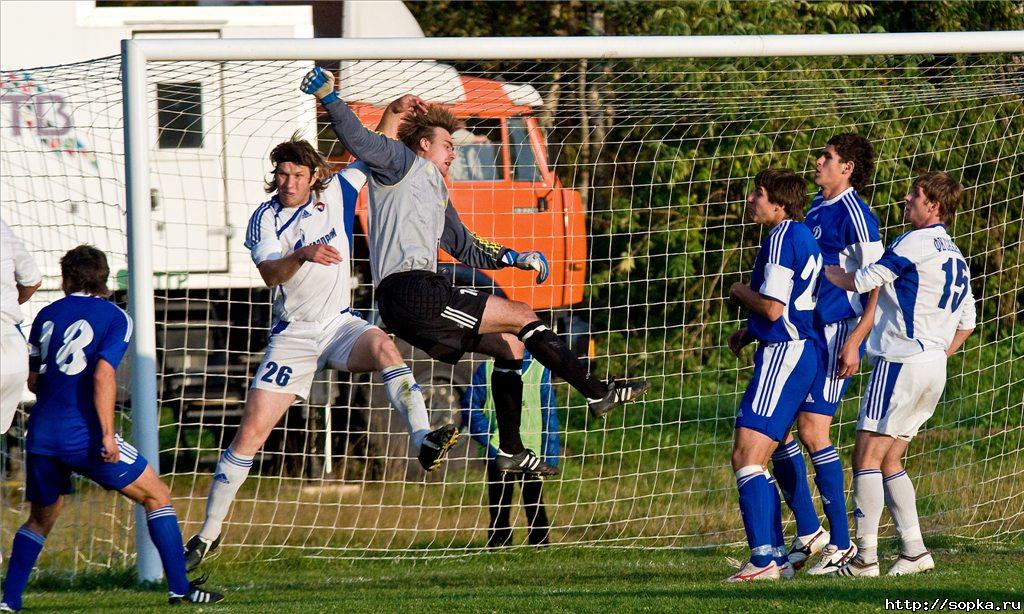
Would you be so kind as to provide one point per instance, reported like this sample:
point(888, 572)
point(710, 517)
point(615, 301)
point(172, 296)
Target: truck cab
point(505, 191)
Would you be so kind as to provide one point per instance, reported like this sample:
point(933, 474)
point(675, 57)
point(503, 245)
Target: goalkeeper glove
point(528, 261)
point(320, 83)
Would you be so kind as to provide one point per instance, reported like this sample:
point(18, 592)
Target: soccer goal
point(625, 159)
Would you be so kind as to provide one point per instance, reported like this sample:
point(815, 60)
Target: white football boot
point(857, 567)
point(906, 565)
point(750, 573)
point(833, 559)
point(799, 552)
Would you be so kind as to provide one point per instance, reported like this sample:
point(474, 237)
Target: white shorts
point(297, 350)
point(900, 397)
point(13, 372)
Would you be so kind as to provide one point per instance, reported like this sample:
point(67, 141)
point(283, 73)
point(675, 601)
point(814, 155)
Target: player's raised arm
point(873, 276)
point(388, 159)
point(394, 112)
point(479, 253)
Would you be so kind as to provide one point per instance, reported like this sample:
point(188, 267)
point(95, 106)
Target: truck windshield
point(477, 151)
point(524, 163)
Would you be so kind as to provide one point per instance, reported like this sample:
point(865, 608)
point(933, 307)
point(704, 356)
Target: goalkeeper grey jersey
point(406, 221)
point(411, 215)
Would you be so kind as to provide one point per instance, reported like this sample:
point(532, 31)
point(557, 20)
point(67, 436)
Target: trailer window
point(524, 163)
point(477, 151)
point(180, 115)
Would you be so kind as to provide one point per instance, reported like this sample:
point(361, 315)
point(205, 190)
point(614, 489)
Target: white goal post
point(136, 54)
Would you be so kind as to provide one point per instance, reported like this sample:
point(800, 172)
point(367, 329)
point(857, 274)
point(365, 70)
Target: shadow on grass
point(90, 581)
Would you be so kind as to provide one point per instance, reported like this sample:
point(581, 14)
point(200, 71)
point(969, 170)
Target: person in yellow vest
point(539, 430)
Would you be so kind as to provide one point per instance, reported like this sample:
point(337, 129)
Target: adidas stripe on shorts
point(47, 477)
point(426, 310)
point(783, 374)
point(827, 390)
point(900, 397)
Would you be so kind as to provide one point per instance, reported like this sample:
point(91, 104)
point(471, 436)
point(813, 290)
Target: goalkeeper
point(411, 216)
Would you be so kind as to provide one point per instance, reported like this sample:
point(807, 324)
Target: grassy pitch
point(557, 579)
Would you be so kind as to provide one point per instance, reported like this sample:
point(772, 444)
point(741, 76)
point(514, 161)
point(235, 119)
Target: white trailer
point(62, 153)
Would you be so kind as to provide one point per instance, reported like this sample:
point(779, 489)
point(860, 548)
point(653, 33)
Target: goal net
point(630, 174)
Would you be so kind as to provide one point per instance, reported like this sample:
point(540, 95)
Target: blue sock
point(166, 536)
point(754, 502)
point(828, 475)
point(778, 537)
point(24, 552)
point(791, 472)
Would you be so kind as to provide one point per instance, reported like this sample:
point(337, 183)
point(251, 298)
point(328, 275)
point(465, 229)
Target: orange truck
point(505, 190)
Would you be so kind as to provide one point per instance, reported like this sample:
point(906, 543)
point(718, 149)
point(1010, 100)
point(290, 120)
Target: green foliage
point(708, 17)
point(670, 144)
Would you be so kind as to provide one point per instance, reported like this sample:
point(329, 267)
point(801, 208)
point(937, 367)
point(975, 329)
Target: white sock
point(405, 396)
point(868, 500)
point(232, 469)
point(902, 502)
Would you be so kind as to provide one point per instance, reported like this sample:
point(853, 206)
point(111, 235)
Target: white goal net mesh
point(630, 175)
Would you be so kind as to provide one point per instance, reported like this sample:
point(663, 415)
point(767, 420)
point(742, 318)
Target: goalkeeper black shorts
point(427, 311)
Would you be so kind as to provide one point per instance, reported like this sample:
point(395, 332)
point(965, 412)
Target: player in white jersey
point(19, 279)
point(301, 242)
point(925, 313)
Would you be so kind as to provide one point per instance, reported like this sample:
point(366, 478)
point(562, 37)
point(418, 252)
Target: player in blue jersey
point(847, 233)
point(781, 299)
point(76, 344)
point(925, 313)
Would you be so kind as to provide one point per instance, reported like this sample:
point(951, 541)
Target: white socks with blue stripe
point(405, 396)
point(867, 512)
point(231, 471)
point(901, 499)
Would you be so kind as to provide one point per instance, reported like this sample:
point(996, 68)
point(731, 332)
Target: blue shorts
point(783, 374)
point(827, 390)
point(47, 477)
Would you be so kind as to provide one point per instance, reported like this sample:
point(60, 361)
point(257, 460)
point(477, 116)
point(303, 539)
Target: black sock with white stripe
point(556, 355)
point(507, 391)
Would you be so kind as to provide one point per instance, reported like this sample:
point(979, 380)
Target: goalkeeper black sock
point(556, 355)
point(507, 391)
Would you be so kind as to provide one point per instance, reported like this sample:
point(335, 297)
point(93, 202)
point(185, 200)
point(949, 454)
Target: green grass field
point(558, 579)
